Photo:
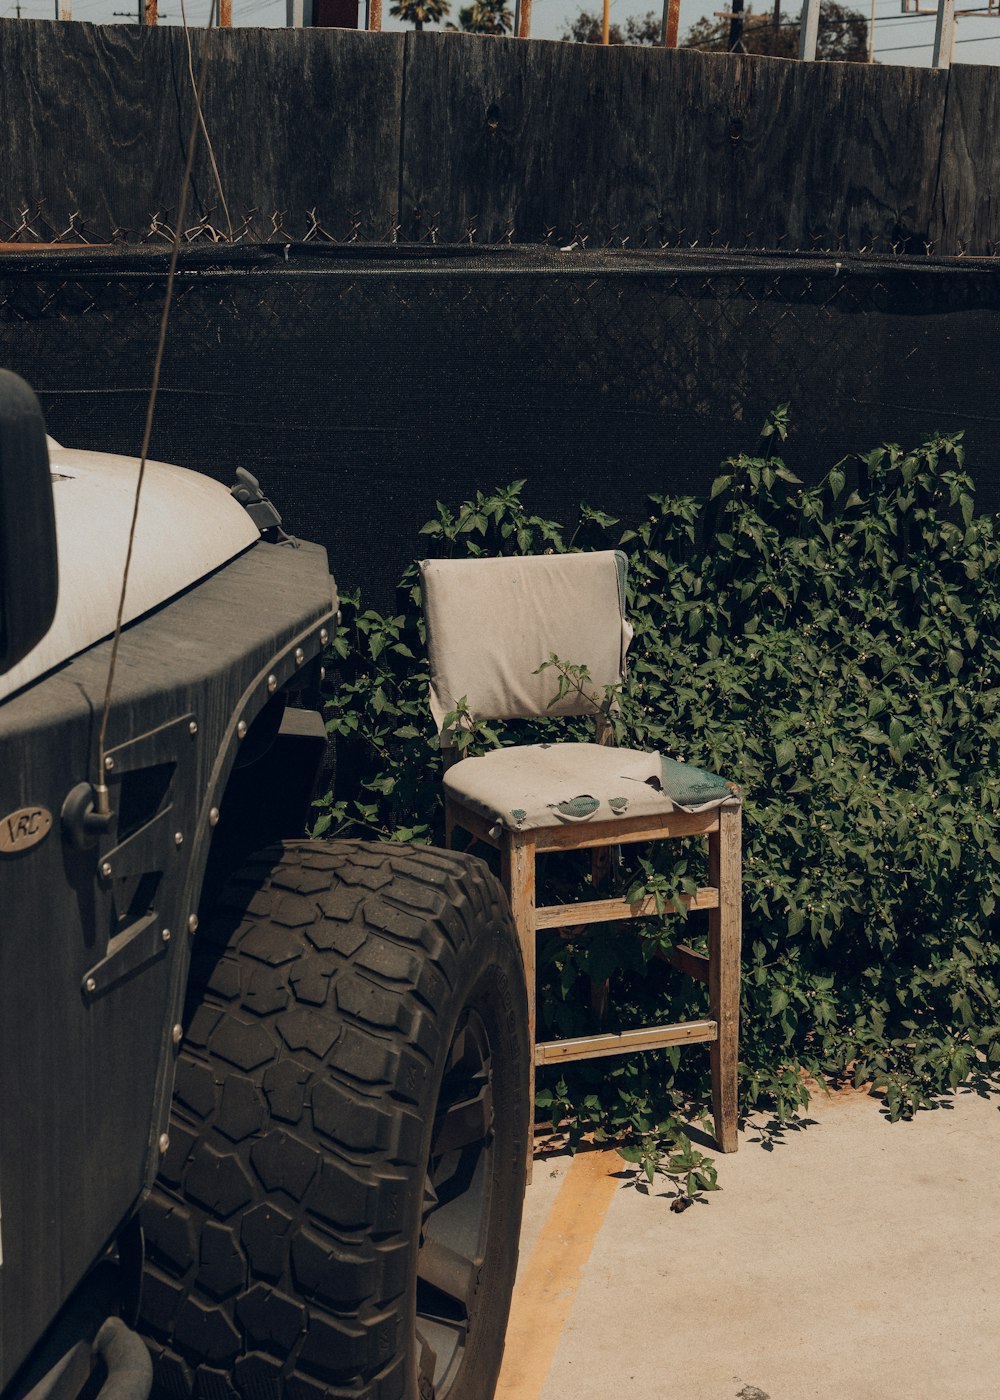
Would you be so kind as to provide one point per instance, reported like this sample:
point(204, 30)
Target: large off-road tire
point(338, 1210)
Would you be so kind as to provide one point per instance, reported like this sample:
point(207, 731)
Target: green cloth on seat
point(691, 788)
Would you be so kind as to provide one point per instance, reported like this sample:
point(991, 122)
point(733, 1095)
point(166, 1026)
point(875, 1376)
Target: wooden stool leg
point(517, 856)
point(724, 935)
point(600, 868)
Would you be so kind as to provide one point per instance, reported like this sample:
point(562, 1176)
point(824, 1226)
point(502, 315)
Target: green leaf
point(784, 752)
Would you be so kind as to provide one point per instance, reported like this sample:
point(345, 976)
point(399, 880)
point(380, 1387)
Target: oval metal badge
point(24, 829)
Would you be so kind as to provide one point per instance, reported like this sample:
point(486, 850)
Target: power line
point(755, 20)
point(902, 19)
point(982, 39)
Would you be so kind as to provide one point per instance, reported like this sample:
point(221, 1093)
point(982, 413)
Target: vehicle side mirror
point(29, 576)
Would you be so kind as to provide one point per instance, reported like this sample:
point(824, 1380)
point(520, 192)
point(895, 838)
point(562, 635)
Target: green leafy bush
point(833, 649)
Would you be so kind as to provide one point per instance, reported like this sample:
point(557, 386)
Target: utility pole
point(776, 25)
point(736, 28)
point(944, 34)
point(808, 30)
point(671, 21)
point(606, 23)
point(523, 25)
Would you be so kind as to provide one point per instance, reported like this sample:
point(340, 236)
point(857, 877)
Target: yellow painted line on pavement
point(548, 1285)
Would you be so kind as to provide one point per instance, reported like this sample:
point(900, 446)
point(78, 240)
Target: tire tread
point(276, 1263)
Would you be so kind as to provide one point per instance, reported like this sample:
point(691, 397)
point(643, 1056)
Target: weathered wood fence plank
point(967, 196)
point(96, 120)
point(647, 146)
point(448, 137)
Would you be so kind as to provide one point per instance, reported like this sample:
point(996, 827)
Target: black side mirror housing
point(29, 570)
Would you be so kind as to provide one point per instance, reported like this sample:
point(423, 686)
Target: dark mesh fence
point(362, 384)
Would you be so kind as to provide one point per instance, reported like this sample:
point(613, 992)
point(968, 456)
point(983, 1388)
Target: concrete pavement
point(856, 1260)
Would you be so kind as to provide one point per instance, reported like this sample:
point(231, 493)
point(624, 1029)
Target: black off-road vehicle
point(260, 1097)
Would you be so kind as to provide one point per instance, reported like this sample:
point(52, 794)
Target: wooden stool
point(721, 897)
point(492, 623)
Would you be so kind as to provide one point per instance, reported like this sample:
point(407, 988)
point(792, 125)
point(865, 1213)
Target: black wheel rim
point(458, 1196)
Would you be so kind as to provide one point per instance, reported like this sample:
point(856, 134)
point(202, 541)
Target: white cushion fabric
point(492, 622)
point(537, 785)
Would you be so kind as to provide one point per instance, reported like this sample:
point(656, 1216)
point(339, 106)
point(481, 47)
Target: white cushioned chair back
point(492, 622)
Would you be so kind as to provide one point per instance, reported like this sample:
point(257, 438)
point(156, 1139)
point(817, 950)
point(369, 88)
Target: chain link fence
point(362, 383)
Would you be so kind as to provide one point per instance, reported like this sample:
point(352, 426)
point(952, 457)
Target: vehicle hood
point(188, 526)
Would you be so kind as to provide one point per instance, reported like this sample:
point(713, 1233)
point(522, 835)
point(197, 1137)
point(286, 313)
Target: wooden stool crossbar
point(720, 970)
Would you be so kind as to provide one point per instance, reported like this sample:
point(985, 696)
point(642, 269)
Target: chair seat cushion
point(536, 785)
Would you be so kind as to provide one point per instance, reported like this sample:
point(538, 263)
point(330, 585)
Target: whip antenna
point(101, 805)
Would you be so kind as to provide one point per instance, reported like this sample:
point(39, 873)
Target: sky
point(899, 38)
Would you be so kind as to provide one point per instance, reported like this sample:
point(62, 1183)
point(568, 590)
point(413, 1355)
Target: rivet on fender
point(23, 829)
